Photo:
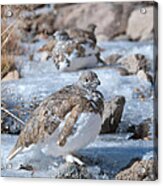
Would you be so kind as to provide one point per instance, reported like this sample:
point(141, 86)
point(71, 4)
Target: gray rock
point(145, 76)
point(73, 171)
point(139, 170)
point(77, 16)
point(143, 130)
point(34, 22)
point(140, 25)
point(122, 71)
point(134, 63)
point(112, 59)
point(112, 114)
point(12, 75)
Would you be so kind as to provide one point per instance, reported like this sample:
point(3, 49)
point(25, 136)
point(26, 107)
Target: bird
point(83, 35)
point(75, 49)
point(73, 33)
point(64, 122)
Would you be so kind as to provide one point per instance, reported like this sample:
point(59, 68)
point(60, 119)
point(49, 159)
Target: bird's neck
point(86, 89)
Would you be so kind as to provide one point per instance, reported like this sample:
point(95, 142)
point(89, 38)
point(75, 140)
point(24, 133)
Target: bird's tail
point(100, 60)
point(14, 152)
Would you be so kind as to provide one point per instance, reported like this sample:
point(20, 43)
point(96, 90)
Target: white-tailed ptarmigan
point(83, 35)
point(64, 122)
point(74, 51)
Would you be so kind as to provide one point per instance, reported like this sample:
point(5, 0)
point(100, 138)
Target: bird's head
point(89, 80)
point(91, 27)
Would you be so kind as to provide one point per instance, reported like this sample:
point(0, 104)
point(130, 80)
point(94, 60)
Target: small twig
point(7, 28)
point(12, 115)
point(7, 38)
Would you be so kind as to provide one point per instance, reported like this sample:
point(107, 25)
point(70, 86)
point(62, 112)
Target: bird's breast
point(85, 130)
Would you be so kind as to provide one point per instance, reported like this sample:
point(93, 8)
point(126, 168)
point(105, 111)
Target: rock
point(140, 25)
point(73, 171)
point(98, 13)
point(13, 75)
point(112, 114)
point(122, 71)
point(141, 131)
point(122, 37)
point(145, 76)
point(35, 22)
point(139, 170)
point(133, 63)
point(112, 59)
point(101, 37)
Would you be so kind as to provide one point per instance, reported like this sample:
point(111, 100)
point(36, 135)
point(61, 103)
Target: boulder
point(145, 76)
point(111, 18)
point(73, 171)
point(112, 114)
point(141, 131)
point(122, 71)
point(41, 20)
point(140, 23)
point(13, 75)
point(112, 59)
point(145, 169)
point(133, 63)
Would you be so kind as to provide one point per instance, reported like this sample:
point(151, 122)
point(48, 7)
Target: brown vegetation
point(9, 38)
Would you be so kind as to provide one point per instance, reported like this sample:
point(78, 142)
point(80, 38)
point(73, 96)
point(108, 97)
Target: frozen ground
point(109, 153)
point(29, 90)
point(103, 158)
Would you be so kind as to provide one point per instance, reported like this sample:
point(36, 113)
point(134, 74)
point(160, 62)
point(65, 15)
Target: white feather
point(63, 65)
point(79, 63)
point(89, 49)
point(88, 127)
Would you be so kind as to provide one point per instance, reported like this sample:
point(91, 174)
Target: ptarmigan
point(75, 49)
point(83, 35)
point(64, 122)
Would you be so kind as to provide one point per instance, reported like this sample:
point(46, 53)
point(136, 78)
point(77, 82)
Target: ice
point(104, 157)
point(109, 153)
point(126, 48)
point(38, 87)
point(41, 78)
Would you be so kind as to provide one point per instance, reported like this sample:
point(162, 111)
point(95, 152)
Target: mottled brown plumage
point(83, 36)
point(73, 99)
point(75, 49)
point(63, 49)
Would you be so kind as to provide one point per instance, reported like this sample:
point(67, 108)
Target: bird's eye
point(86, 80)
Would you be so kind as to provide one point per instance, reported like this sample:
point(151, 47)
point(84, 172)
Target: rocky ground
point(126, 147)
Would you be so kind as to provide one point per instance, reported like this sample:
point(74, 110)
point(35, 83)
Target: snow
point(31, 89)
point(109, 153)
